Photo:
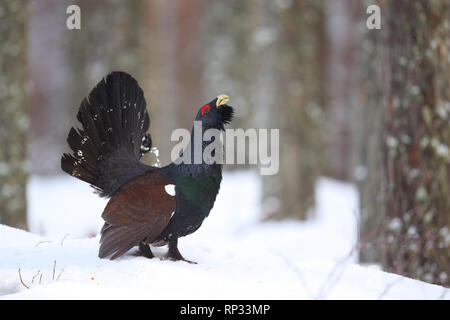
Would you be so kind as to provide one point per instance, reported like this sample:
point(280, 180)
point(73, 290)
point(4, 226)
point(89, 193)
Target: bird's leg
point(144, 250)
point(173, 253)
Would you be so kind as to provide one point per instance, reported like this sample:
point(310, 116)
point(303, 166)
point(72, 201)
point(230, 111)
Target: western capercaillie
point(148, 205)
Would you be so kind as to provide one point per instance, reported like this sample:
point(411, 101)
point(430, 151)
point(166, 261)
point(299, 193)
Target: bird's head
point(215, 114)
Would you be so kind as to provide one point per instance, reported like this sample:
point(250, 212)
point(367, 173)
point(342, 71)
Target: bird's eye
point(205, 109)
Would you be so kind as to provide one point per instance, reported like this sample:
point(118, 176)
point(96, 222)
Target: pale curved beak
point(222, 99)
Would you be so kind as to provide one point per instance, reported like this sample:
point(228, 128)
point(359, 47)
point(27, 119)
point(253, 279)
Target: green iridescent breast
point(201, 192)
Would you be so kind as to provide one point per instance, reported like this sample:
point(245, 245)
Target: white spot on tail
point(170, 189)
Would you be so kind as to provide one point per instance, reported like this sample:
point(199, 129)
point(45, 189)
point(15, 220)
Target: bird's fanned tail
point(107, 149)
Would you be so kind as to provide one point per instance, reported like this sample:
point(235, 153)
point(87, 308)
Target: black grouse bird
point(106, 152)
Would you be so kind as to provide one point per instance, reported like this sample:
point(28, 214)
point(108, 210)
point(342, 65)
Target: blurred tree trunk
point(300, 109)
point(417, 139)
point(340, 76)
point(269, 56)
point(50, 105)
point(14, 120)
point(238, 63)
point(369, 142)
point(174, 68)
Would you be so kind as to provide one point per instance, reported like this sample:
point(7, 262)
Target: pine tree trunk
point(300, 108)
point(14, 118)
point(416, 139)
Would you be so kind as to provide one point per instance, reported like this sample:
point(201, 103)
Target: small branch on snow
point(389, 286)
point(57, 278)
point(62, 241)
point(20, 277)
point(294, 269)
point(443, 294)
point(40, 274)
point(54, 266)
point(337, 271)
point(40, 242)
point(331, 279)
point(54, 270)
point(37, 273)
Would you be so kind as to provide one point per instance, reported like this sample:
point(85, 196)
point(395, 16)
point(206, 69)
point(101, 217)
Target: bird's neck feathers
point(199, 158)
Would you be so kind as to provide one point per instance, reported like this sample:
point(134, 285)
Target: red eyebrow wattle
point(205, 107)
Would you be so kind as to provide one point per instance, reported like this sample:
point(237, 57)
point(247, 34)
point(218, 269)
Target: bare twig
point(295, 270)
point(330, 281)
point(443, 294)
point(340, 265)
point(20, 277)
point(63, 239)
point(389, 286)
point(54, 266)
point(40, 274)
point(37, 273)
point(57, 278)
point(40, 242)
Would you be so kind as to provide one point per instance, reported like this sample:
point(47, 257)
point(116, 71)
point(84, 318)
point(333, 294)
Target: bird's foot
point(174, 254)
point(144, 251)
point(171, 258)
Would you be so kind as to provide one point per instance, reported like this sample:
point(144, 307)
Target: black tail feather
point(114, 119)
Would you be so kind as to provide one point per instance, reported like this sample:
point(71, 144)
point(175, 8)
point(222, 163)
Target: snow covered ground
point(238, 256)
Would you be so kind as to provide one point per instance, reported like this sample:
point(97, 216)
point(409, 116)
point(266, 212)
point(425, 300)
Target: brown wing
point(139, 211)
